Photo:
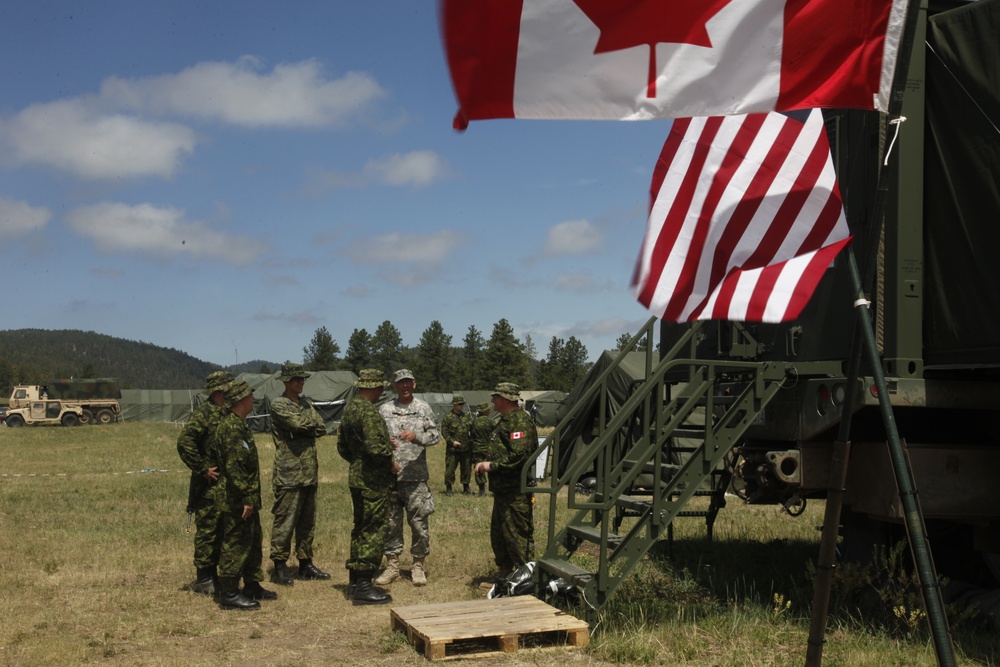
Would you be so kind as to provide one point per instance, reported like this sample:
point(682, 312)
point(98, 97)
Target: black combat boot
point(465, 490)
point(281, 575)
point(447, 490)
point(231, 598)
point(254, 591)
point(205, 583)
point(482, 490)
point(309, 571)
point(366, 593)
point(352, 583)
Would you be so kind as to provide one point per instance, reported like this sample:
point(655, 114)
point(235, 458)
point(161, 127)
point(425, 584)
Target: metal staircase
point(642, 485)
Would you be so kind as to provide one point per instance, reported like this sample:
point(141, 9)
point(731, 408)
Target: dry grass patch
point(97, 557)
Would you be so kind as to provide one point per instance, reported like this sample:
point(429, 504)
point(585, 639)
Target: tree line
point(441, 366)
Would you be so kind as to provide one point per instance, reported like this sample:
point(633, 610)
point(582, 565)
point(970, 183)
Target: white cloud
point(407, 260)
point(396, 248)
point(71, 135)
point(159, 231)
point(581, 281)
point(573, 237)
point(417, 168)
point(291, 95)
point(18, 218)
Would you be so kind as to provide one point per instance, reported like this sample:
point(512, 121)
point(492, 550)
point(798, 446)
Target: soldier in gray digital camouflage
point(480, 434)
point(366, 445)
point(411, 422)
point(512, 530)
point(238, 500)
point(458, 452)
point(192, 446)
point(295, 425)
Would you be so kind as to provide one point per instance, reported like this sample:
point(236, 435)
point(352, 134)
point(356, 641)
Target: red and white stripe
point(746, 217)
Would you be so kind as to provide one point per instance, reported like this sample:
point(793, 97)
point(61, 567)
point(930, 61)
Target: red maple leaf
point(628, 23)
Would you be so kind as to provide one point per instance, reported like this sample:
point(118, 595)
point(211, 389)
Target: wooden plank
point(479, 628)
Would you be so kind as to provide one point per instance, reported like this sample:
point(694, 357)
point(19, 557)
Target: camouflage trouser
point(207, 534)
point(242, 547)
point(512, 530)
point(294, 513)
point(461, 460)
point(478, 457)
point(415, 498)
point(371, 520)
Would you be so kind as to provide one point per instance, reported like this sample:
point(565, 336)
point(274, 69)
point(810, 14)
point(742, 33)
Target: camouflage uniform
point(239, 485)
point(192, 446)
point(511, 526)
point(480, 434)
point(455, 428)
point(364, 442)
point(294, 428)
point(412, 492)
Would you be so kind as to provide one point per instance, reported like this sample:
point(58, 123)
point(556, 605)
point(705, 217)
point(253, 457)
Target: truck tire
point(105, 416)
point(70, 419)
point(87, 418)
point(14, 421)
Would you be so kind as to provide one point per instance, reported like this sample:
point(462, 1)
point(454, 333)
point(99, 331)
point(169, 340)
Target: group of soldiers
point(385, 447)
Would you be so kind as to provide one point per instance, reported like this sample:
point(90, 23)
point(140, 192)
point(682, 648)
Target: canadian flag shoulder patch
point(517, 435)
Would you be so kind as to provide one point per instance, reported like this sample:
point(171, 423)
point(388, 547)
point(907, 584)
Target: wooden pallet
point(481, 628)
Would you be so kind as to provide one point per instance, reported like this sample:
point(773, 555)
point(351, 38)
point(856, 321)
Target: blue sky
point(224, 178)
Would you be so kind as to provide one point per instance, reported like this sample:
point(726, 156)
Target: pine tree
point(387, 348)
point(470, 368)
point(359, 351)
point(321, 352)
point(504, 359)
point(433, 362)
point(625, 338)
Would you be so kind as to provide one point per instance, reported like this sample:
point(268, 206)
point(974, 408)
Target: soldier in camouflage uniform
point(458, 451)
point(411, 422)
point(238, 500)
point(512, 530)
point(480, 434)
point(295, 425)
point(365, 443)
point(192, 445)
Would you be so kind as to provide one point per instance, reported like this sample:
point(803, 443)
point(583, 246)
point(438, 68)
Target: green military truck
point(97, 398)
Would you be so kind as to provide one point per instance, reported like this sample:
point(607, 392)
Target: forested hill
point(31, 356)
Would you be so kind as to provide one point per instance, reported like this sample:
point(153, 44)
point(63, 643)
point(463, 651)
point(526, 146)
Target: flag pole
point(864, 340)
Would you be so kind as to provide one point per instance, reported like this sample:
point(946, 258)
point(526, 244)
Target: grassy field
point(97, 556)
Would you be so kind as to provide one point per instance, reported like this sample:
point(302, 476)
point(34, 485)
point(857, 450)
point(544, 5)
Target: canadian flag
point(644, 59)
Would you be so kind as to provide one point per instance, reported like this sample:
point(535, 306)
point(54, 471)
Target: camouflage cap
point(236, 391)
point(217, 381)
point(403, 374)
point(508, 390)
point(457, 400)
point(370, 378)
point(290, 370)
point(484, 407)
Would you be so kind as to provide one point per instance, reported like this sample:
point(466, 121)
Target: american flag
point(746, 217)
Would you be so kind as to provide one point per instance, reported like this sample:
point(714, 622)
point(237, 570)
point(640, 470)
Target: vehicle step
point(571, 572)
point(592, 534)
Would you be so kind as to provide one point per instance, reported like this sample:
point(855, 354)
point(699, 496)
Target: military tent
point(328, 391)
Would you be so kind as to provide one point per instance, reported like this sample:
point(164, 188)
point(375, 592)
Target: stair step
point(571, 572)
point(693, 432)
point(634, 503)
point(593, 534)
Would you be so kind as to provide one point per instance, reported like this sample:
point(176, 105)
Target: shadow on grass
point(694, 579)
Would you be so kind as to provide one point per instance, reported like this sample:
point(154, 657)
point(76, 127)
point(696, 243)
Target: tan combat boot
point(419, 573)
point(390, 573)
